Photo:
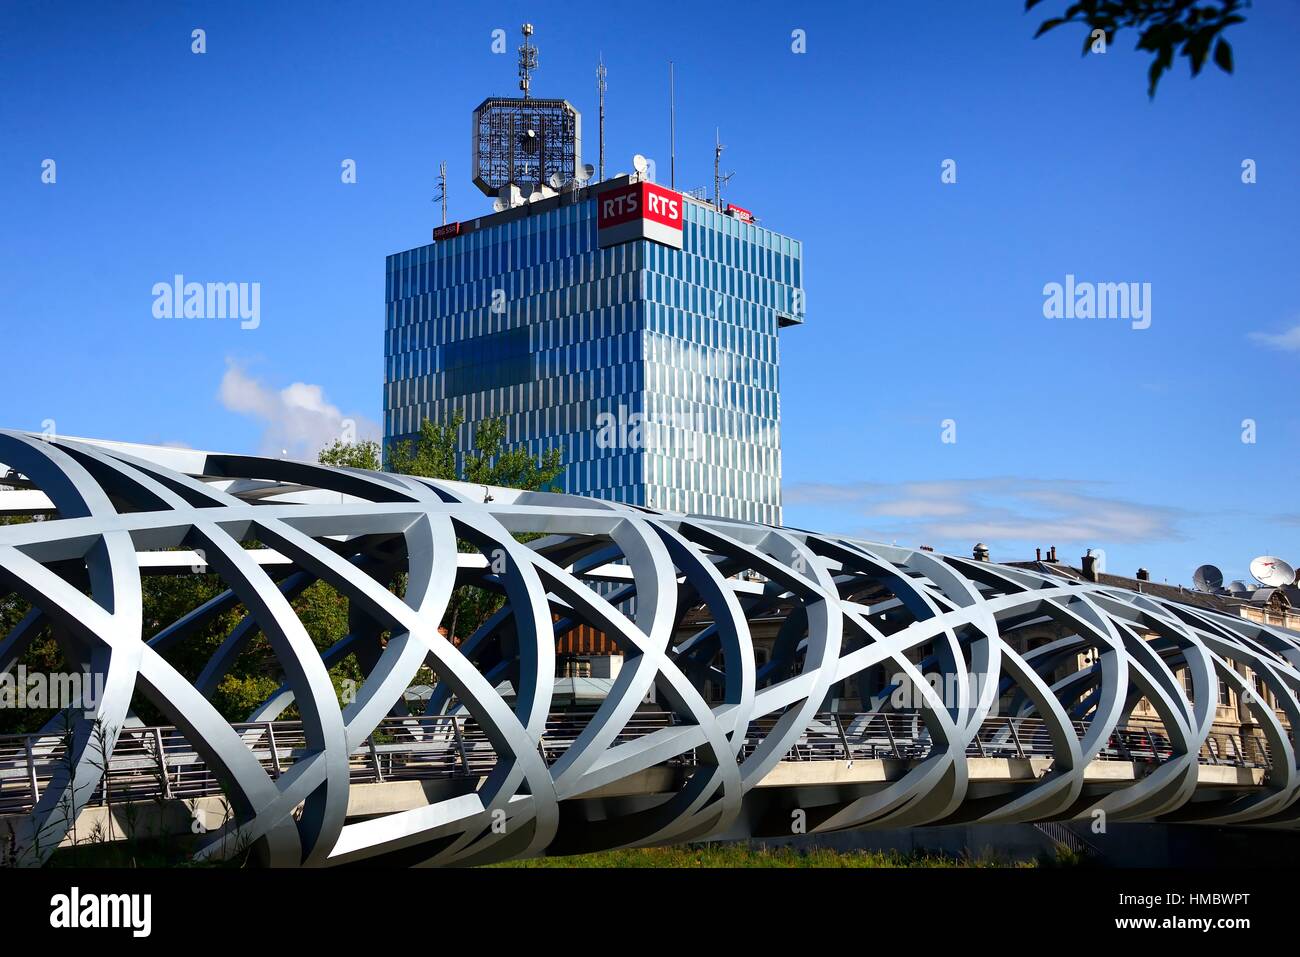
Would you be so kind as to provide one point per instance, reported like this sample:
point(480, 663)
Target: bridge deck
point(157, 763)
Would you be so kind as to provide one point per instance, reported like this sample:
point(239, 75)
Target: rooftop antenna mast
point(672, 128)
point(600, 92)
point(527, 59)
point(442, 189)
point(719, 178)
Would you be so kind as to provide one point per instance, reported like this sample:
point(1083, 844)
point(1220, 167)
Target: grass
point(154, 854)
point(175, 852)
point(144, 853)
point(744, 855)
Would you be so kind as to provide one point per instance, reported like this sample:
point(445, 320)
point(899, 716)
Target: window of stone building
point(1257, 693)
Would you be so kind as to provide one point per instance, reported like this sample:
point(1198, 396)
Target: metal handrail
point(157, 763)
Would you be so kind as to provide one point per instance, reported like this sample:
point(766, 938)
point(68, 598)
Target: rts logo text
point(76, 910)
point(627, 204)
point(614, 206)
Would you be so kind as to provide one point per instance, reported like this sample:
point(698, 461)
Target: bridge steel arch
point(270, 528)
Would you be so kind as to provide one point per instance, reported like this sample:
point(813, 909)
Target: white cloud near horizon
point(298, 420)
point(956, 513)
point(1287, 340)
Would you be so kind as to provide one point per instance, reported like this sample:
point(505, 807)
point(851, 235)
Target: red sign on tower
point(740, 213)
point(639, 211)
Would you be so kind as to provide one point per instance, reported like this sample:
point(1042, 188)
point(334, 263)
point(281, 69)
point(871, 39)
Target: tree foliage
point(488, 462)
point(433, 453)
point(42, 655)
point(357, 455)
point(1192, 28)
point(323, 611)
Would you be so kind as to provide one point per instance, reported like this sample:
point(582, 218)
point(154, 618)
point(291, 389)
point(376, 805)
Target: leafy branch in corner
point(1187, 27)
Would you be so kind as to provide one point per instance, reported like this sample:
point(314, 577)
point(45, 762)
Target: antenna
point(639, 164)
point(1271, 572)
point(717, 158)
point(719, 178)
point(442, 189)
point(1207, 579)
point(600, 93)
point(672, 127)
point(527, 59)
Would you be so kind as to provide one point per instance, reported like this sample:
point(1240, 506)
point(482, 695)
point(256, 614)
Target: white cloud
point(1286, 341)
point(1002, 511)
point(299, 420)
point(919, 508)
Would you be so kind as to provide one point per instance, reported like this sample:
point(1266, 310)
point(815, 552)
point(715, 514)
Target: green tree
point(357, 455)
point(323, 611)
point(42, 655)
point(1191, 28)
point(254, 675)
point(489, 461)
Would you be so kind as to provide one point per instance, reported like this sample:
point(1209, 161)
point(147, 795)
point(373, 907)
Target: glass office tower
point(655, 368)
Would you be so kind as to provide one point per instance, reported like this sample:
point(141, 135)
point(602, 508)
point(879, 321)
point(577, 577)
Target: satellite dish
point(588, 171)
point(1237, 587)
point(639, 163)
point(498, 205)
point(1207, 578)
point(1271, 572)
point(535, 196)
point(556, 181)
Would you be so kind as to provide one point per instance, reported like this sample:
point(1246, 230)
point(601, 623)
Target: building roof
point(1228, 604)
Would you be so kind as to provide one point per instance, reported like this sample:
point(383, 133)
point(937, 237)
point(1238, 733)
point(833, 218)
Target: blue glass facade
point(656, 369)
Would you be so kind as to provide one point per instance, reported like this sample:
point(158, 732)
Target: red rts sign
point(740, 213)
point(639, 211)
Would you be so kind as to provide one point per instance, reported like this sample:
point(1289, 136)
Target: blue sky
point(924, 299)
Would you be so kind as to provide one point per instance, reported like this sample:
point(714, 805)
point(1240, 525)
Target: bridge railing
point(158, 763)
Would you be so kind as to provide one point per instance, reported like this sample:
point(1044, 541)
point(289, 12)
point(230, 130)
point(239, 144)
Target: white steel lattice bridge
point(493, 770)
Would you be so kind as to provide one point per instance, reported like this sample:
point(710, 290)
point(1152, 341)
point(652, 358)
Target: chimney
point(981, 552)
point(1144, 575)
point(1090, 567)
point(1038, 554)
point(1051, 554)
